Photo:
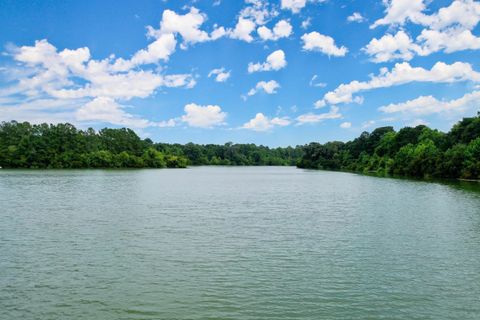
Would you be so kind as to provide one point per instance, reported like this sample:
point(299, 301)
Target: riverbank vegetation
point(23, 145)
point(413, 152)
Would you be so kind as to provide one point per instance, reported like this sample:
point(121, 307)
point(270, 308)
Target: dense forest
point(414, 152)
point(23, 145)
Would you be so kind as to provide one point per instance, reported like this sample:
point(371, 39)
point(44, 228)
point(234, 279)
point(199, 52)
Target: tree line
point(415, 152)
point(25, 145)
point(412, 151)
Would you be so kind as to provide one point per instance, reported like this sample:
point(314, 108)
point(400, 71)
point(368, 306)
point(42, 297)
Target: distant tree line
point(23, 145)
point(233, 154)
point(415, 152)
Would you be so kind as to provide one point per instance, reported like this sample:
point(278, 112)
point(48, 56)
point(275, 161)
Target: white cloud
point(401, 46)
point(355, 17)
point(313, 82)
point(464, 14)
point(318, 117)
point(187, 25)
point(98, 88)
point(392, 47)
point(172, 24)
point(103, 109)
point(259, 11)
point(220, 74)
point(38, 110)
point(402, 73)
point(345, 125)
point(293, 5)
point(424, 105)
point(320, 104)
point(399, 11)
point(368, 124)
point(160, 49)
point(306, 23)
point(203, 116)
point(269, 87)
point(448, 30)
point(450, 40)
point(418, 122)
point(57, 73)
point(283, 29)
point(256, 13)
point(243, 30)
point(179, 80)
point(263, 123)
point(282, 122)
point(74, 78)
point(315, 41)
point(275, 61)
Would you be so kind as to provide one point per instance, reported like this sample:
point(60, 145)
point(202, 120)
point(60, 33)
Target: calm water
point(235, 243)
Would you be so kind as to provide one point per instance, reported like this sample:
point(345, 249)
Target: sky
point(277, 72)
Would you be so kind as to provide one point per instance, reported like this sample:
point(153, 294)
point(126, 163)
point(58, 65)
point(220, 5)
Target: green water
point(236, 243)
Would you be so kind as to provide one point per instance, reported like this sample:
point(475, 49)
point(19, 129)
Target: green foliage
point(153, 158)
point(416, 152)
point(23, 145)
point(231, 154)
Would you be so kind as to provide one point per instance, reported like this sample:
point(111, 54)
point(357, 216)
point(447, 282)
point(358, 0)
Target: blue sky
point(279, 73)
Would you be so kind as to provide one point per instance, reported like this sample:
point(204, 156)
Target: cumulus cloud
point(318, 117)
point(306, 23)
point(449, 41)
point(104, 109)
point(293, 5)
point(345, 125)
point(401, 46)
point(448, 30)
point(97, 90)
point(203, 116)
point(243, 30)
point(262, 123)
point(355, 17)
point(256, 13)
point(269, 87)
point(220, 74)
point(74, 77)
point(392, 47)
point(460, 13)
point(315, 41)
point(275, 61)
point(55, 74)
point(399, 11)
point(283, 29)
point(259, 11)
point(402, 73)
point(187, 26)
point(161, 49)
point(425, 105)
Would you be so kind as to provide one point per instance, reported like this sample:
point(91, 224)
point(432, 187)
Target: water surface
point(236, 243)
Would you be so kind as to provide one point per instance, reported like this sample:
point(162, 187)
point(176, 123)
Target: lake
point(236, 243)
